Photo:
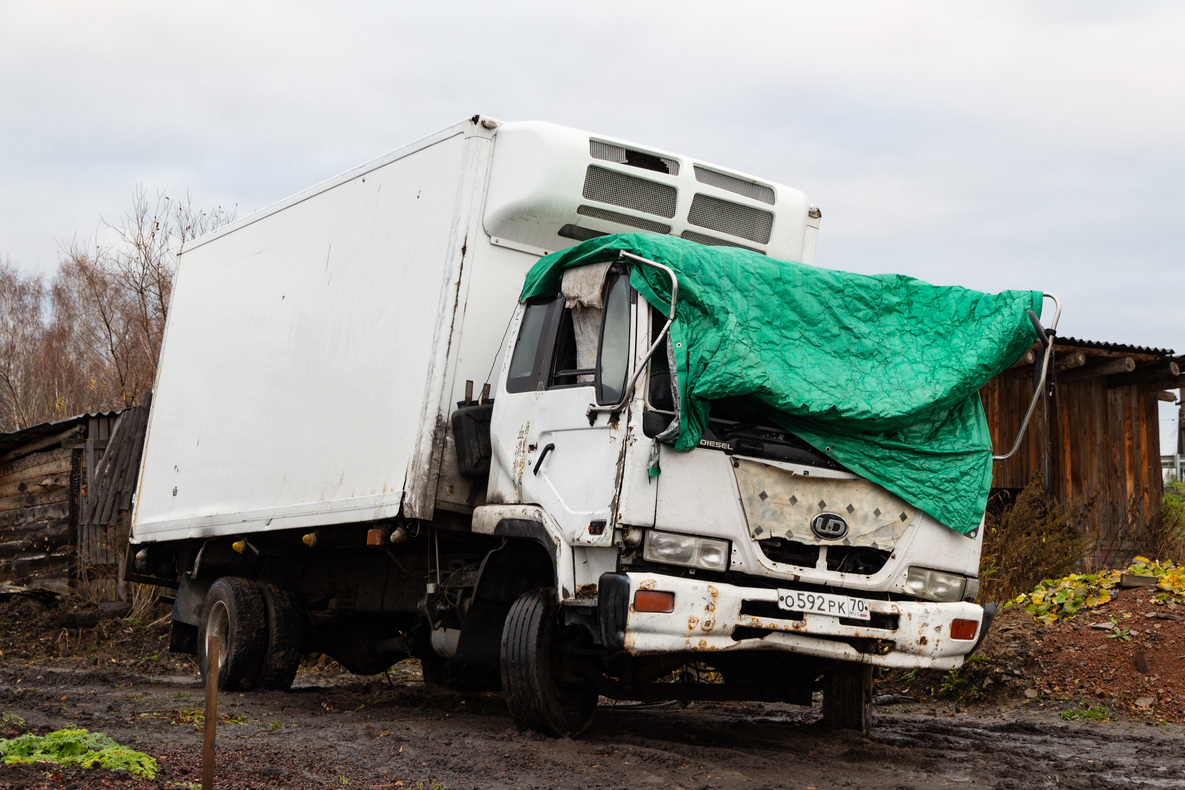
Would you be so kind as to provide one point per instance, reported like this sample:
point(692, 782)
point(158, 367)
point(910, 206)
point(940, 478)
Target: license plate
point(823, 603)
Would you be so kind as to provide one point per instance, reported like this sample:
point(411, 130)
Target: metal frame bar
point(628, 392)
point(1050, 334)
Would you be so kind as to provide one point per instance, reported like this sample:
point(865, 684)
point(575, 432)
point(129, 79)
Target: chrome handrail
point(628, 392)
point(1040, 388)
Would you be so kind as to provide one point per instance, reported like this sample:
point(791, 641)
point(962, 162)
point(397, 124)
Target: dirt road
point(344, 732)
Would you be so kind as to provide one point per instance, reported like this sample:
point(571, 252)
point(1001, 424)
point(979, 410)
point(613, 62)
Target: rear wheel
point(285, 637)
point(540, 690)
point(847, 697)
point(234, 612)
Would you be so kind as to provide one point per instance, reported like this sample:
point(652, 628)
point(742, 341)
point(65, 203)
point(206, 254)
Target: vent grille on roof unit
point(727, 217)
point(609, 186)
point(712, 241)
point(626, 156)
point(624, 219)
point(750, 189)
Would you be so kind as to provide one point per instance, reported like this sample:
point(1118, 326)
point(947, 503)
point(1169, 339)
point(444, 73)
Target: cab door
point(550, 447)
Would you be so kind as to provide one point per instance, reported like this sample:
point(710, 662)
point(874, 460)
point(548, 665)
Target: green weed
point(953, 684)
point(1058, 599)
point(73, 746)
point(959, 688)
point(1087, 712)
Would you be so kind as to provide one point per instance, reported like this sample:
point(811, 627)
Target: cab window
point(558, 346)
point(613, 356)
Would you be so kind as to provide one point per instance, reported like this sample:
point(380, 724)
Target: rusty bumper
point(711, 617)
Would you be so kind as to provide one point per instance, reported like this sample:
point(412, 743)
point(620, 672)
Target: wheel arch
point(523, 562)
point(532, 523)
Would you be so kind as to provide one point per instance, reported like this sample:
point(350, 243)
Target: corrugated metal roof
point(10, 441)
point(1118, 347)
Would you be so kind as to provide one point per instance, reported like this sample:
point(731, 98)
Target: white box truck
point(362, 443)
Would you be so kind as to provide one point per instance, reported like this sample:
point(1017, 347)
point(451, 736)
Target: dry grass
point(1036, 537)
point(1166, 533)
point(143, 598)
point(1033, 538)
point(98, 584)
point(94, 585)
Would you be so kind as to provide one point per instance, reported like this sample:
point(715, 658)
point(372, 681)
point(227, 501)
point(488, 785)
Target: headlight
point(667, 547)
point(935, 585)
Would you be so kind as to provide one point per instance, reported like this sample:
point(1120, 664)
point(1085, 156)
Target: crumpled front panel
point(781, 504)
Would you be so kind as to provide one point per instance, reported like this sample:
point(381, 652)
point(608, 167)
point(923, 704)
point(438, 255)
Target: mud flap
point(187, 614)
point(613, 599)
point(989, 614)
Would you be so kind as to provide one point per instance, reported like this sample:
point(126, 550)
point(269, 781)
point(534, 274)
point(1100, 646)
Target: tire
point(530, 663)
point(285, 637)
point(847, 697)
point(234, 610)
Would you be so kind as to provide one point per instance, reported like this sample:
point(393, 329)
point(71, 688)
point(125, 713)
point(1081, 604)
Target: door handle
point(542, 455)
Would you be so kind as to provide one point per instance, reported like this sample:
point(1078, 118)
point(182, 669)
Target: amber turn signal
point(374, 537)
point(654, 601)
point(963, 629)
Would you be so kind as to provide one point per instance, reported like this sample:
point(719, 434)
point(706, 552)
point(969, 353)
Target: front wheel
point(847, 697)
point(540, 691)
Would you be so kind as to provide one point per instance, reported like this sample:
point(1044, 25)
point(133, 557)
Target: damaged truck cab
point(604, 516)
point(753, 555)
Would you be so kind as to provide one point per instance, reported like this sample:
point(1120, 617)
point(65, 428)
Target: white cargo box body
point(315, 350)
point(305, 350)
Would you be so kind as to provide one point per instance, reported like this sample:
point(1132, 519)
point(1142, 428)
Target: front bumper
point(714, 617)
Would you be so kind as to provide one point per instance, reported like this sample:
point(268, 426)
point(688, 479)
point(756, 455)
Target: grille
point(624, 219)
point(712, 241)
point(609, 186)
point(627, 156)
point(733, 218)
point(845, 559)
point(790, 552)
point(856, 559)
point(741, 186)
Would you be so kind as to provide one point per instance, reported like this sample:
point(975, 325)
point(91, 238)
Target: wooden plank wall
point(65, 501)
point(1102, 451)
point(35, 520)
point(103, 534)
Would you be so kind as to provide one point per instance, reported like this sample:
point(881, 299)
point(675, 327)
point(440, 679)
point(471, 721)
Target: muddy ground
point(336, 730)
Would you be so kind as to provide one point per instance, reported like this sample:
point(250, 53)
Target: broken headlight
point(695, 552)
point(935, 585)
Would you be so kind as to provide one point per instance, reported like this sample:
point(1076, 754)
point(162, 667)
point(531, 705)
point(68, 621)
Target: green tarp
point(879, 372)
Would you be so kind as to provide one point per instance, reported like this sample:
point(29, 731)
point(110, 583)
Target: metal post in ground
point(213, 647)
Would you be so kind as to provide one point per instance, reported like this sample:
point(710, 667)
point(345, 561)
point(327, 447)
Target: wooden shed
point(1095, 440)
point(65, 498)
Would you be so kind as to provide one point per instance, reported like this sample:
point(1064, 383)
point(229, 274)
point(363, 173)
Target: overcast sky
point(994, 145)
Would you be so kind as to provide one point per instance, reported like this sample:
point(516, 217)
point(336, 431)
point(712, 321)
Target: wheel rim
point(218, 624)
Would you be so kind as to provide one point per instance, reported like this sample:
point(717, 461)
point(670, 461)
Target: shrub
point(1030, 540)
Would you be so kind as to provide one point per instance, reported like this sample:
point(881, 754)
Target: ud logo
point(829, 526)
